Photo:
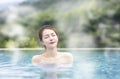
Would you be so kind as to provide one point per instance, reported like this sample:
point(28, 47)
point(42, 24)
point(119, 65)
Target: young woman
point(49, 39)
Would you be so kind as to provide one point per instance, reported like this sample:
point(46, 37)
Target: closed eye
point(53, 34)
point(46, 36)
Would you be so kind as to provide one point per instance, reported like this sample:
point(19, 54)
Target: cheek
point(56, 38)
point(45, 40)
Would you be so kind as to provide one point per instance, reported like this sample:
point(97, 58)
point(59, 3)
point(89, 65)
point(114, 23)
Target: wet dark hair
point(46, 27)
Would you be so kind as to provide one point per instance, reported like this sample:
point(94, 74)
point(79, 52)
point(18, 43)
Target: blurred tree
point(2, 18)
point(100, 18)
point(40, 4)
point(3, 40)
point(27, 42)
point(42, 18)
point(105, 26)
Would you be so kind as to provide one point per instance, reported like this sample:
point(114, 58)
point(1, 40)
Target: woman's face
point(49, 38)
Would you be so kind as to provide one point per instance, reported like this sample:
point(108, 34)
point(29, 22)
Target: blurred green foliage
point(102, 21)
point(105, 26)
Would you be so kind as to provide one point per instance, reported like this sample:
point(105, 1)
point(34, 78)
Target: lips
point(52, 42)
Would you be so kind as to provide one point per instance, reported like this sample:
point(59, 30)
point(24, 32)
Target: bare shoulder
point(36, 59)
point(68, 56)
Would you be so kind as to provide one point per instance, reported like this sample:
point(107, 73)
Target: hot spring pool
point(88, 64)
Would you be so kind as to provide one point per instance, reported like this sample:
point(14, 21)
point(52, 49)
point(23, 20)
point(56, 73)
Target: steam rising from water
point(16, 56)
point(70, 18)
point(13, 28)
point(73, 26)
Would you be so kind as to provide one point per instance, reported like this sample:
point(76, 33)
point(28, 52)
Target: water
point(95, 64)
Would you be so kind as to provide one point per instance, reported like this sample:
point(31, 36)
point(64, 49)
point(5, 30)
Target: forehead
point(47, 31)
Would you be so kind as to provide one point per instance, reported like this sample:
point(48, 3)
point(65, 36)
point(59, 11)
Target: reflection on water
point(16, 56)
point(86, 68)
point(55, 71)
point(87, 65)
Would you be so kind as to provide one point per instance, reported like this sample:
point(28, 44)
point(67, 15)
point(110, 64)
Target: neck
point(51, 52)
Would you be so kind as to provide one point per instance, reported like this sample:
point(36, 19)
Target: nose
point(51, 38)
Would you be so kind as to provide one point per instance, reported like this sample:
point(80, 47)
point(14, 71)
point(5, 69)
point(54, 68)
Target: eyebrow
point(48, 34)
point(52, 33)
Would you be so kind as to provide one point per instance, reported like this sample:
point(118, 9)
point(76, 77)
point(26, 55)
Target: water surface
point(95, 64)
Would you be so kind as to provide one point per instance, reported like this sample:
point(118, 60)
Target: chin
point(54, 46)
